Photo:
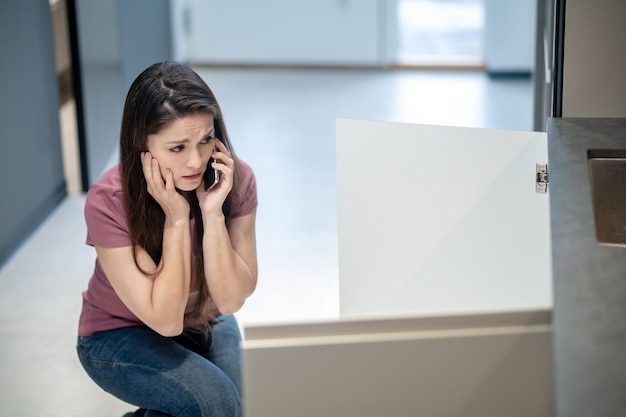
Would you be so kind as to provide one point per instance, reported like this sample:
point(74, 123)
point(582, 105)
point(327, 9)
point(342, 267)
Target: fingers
point(157, 185)
point(151, 172)
point(162, 188)
point(212, 199)
point(146, 164)
point(221, 147)
point(224, 161)
point(157, 180)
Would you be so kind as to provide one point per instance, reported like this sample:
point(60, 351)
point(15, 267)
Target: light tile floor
point(283, 123)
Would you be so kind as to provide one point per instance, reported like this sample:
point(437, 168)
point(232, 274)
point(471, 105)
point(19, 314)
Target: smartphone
point(211, 176)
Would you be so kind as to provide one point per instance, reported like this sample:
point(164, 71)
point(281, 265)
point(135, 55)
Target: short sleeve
point(244, 199)
point(107, 224)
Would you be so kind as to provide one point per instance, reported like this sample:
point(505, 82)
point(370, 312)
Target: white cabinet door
point(440, 220)
point(280, 31)
point(445, 284)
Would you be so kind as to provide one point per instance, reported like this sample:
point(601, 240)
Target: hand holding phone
point(211, 175)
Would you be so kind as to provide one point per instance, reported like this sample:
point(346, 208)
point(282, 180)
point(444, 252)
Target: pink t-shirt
point(107, 226)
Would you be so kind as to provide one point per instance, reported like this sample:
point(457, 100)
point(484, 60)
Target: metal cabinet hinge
point(541, 180)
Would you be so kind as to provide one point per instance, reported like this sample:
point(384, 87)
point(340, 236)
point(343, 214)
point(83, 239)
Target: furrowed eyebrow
point(177, 142)
point(209, 135)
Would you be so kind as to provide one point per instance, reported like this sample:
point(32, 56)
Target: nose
point(195, 159)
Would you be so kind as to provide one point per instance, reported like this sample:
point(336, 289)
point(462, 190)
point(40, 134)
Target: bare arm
point(229, 245)
point(158, 301)
point(157, 297)
point(230, 261)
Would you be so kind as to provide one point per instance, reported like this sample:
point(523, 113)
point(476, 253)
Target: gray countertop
point(589, 278)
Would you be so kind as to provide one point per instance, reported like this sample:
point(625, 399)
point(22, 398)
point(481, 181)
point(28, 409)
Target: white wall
point(330, 32)
point(510, 35)
point(307, 32)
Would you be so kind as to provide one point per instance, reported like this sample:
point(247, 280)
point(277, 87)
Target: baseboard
point(508, 75)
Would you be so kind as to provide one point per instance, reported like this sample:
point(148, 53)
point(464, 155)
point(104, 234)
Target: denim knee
point(218, 400)
point(156, 373)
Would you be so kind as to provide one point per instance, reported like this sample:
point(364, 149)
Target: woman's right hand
point(173, 203)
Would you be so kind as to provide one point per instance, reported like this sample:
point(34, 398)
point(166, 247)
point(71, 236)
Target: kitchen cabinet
point(589, 286)
point(439, 219)
point(469, 365)
point(445, 283)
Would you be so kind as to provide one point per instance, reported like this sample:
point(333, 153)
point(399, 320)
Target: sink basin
point(607, 173)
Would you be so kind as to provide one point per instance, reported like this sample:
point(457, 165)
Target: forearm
point(170, 290)
point(229, 278)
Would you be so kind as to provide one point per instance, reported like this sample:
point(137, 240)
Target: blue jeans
point(187, 376)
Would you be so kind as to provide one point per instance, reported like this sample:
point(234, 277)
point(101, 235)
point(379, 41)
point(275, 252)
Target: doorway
point(67, 105)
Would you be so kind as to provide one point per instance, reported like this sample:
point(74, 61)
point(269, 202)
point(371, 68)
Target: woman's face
point(184, 146)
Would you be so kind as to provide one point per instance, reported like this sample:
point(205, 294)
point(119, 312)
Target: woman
point(176, 254)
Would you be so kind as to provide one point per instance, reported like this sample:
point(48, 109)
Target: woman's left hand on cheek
point(211, 200)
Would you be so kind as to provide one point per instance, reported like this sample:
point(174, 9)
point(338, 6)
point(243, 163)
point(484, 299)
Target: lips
point(192, 177)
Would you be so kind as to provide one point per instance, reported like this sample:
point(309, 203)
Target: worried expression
point(185, 147)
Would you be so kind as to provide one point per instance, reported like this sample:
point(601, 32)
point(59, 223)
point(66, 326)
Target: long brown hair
point(161, 94)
